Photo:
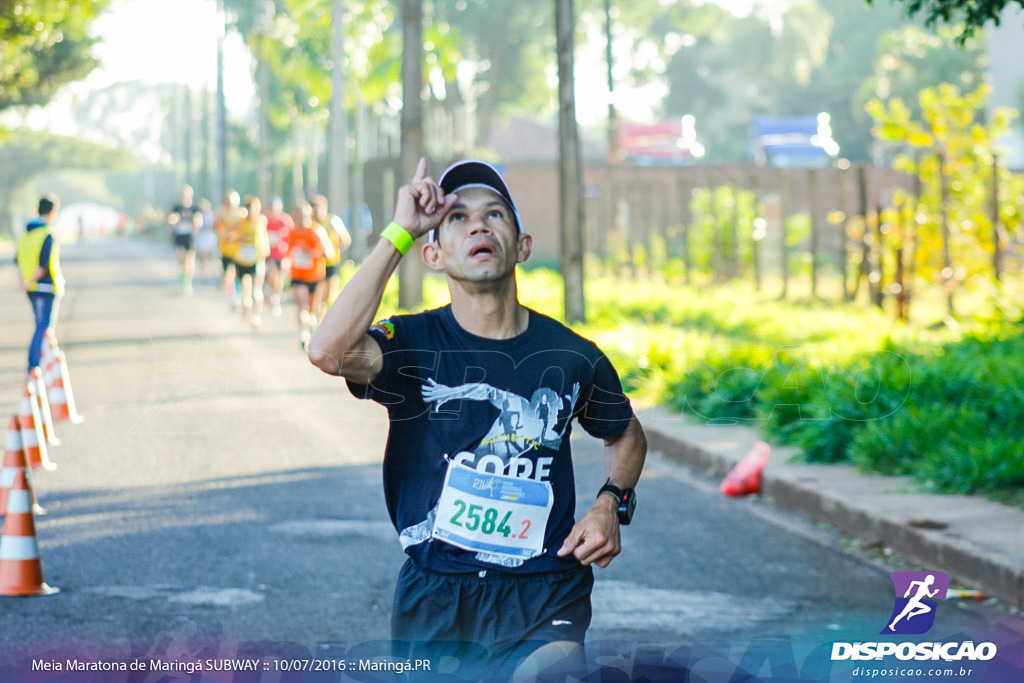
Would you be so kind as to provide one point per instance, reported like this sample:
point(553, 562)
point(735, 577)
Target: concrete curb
point(977, 542)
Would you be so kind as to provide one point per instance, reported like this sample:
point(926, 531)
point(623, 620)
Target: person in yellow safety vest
point(341, 240)
point(251, 252)
point(38, 259)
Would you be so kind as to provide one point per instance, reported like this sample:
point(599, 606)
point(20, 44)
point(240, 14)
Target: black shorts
point(306, 283)
point(241, 271)
point(226, 262)
point(332, 271)
point(488, 622)
point(186, 242)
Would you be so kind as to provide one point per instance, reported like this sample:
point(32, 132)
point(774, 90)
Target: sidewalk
point(977, 542)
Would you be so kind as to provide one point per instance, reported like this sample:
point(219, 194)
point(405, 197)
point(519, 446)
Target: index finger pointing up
point(421, 170)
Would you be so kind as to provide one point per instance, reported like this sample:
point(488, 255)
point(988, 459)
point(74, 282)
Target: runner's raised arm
point(341, 345)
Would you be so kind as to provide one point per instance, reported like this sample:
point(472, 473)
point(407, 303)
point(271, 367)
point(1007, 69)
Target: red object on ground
point(745, 477)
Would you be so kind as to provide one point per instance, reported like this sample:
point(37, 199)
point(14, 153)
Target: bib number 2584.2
point(493, 513)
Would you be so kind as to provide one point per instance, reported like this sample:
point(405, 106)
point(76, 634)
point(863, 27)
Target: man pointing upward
point(481, 394)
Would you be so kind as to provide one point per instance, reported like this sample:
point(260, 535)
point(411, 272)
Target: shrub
point(987, 463)
point(840, 383)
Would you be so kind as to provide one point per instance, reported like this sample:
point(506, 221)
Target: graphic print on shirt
point(523, 424)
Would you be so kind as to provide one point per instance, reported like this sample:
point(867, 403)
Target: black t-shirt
point(486, 403)
point(188, 216)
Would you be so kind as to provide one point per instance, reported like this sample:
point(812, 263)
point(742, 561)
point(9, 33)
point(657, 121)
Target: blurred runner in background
point(206, 239)
point(184, 222)
point(279, 224)
point(341, 240)
point(252, 247)
point(307, 248)
point(224, 221)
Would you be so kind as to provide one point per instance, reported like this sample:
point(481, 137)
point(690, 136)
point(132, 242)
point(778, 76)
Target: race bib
point(275, 238)
point(247, 253)
point(493, 513)
point(302, 259)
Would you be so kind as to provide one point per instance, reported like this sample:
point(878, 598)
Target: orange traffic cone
point(48, 358)
point(14, 462)
point(21, 571)
point(32, 438)
point(745, 477)
point(62, 401)
point(36, 376)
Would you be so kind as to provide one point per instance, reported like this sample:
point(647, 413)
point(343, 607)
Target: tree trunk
point(222, 116)
point(205, 183)
point(784, 231)
point(487, 104)
point(912, 237)
point(755, 256)
point(948, 283)
point(812, 182)
point(734, 229)
point(569, 167)
point(337, 174)
point(410, 270)
point(844, 238)
point(187, 142)
point(906, 222)
point(299, 193)
point(262, 160)
point(358, 230)
point(878, 265)
point(864, 273)
point(997, 248)
point(612, 156)
point(313, 158)
point(6, 219)
point(681, 243)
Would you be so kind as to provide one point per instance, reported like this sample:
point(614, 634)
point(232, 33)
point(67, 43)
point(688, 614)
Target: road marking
point(321, 528)
point(200, 595)
point(218, 597)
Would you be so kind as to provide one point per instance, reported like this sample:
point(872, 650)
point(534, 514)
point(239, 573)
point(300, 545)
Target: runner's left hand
point(595, 538)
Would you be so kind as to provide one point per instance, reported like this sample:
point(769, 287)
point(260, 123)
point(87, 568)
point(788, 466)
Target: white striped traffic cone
point(48, 359)
point(14, 462)
point(36, 376)
point(21, 571)
point(62, 401)
point(32, 438)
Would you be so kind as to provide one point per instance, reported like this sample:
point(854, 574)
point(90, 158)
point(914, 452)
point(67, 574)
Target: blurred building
point(519, 139)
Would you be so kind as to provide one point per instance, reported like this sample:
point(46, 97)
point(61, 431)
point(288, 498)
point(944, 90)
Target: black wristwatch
point(626, 499)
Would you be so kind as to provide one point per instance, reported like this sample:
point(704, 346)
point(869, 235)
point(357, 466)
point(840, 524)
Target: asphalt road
point(223, 498)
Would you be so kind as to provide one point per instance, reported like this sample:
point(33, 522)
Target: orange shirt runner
point(306, 253)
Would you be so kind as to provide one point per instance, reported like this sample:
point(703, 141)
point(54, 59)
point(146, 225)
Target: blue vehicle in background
point(792, 141)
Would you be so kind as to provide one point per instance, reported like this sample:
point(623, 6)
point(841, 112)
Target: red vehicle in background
point(672, 142)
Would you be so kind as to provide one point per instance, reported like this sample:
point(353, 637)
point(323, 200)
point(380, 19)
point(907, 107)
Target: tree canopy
point(25, 154)
point(43, 45)
point(971, 15)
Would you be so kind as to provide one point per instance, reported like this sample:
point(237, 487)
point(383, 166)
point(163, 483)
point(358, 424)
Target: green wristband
point(398, 236)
